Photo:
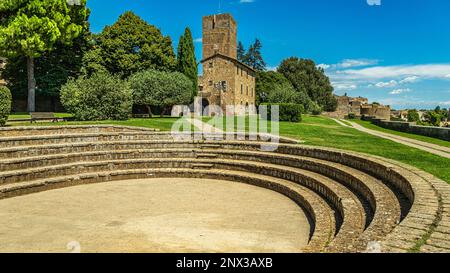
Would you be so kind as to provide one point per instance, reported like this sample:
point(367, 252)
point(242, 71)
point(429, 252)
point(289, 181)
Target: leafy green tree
point(52, 70)
point(273, 87)
point(413, 116)
point(186, 61)
point(92, 62)
point(99, 97)
point(161, 89)
point(433, 118)
point(254, 58)
point(30, 28)
point(309, 80)
point(131, 45)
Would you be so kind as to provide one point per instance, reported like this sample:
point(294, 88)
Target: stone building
point(225, 80)
point(359, 107)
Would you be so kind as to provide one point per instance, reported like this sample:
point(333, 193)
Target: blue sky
point(396, 53)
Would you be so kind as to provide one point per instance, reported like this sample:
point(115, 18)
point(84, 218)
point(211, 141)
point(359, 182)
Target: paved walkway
point(421, 145)
point(204, 127)
point(341, 123)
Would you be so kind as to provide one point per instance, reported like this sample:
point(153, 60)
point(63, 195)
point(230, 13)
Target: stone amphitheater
point(354, 202)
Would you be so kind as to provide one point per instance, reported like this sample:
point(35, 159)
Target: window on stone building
point(237, 70)
point(210, 83)
point(247, 90)
point(242, 89)
point(211, 65)
point(223, 86)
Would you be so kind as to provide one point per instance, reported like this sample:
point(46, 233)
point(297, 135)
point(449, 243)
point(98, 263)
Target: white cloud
point(272, 68)
point(393, 83)
point(400, 91)
point(344, 86)
point(409, 79)
point(324, 66)
point(246, 1)
point(383, 72)
point(386, 84)
point(348, 63)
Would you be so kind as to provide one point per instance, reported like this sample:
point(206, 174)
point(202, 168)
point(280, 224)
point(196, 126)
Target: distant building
point(400, 114)
point(359, 107)
point(225, 80)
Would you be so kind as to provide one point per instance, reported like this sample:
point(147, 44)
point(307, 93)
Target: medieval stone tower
point(225, 81)
point(219, 36)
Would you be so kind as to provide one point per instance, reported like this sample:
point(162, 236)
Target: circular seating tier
point(354, 201)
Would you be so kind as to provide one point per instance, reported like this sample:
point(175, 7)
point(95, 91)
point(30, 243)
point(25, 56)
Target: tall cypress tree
point(186, 61)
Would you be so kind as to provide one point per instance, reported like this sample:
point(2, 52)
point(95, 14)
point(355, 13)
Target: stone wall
point(376, 111)
point(411, 127)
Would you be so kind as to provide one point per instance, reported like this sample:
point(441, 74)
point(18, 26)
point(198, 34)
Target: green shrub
point(315, 109)
point(351, 116)
point(160, 89)
point(5, 104)
point(99, 97)
point(413, 116)
point(288, 111)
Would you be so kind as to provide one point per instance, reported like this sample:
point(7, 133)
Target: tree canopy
point(29, 28)
point(161, 89)
point(308, 79)
point(253, 57)
point(241, 52)
point(131, 45)
point(52, 69)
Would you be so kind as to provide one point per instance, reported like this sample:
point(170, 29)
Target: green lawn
point(322, 131)
point(369, 125)
point(164, 124)
point(25, 115)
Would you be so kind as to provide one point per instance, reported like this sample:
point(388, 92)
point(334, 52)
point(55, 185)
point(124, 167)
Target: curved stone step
point(333, 170)
point(316, 208)
point(342, 199)
point(67, 129)
point(35, 140)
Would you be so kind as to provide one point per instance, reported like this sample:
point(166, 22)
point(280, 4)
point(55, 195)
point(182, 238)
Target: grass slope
point(371, 126)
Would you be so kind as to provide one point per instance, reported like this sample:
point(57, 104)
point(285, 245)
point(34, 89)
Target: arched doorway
point(205, 104)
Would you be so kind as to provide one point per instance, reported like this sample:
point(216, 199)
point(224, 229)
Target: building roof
point(229, 59)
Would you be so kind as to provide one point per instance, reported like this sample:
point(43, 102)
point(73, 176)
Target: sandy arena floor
point(157, 215)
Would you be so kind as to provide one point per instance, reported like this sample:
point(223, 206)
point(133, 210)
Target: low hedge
point(288, 111)
point(5, 104)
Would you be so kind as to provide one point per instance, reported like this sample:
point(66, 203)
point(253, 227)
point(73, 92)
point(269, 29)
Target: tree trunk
point(31, 85)
point(149, 109)
point(163, 111)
